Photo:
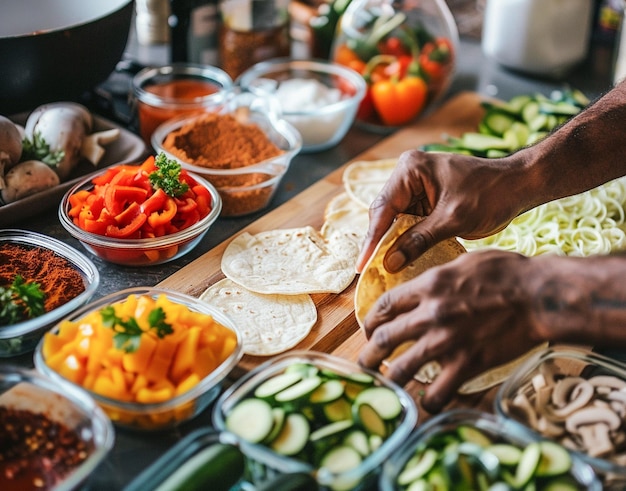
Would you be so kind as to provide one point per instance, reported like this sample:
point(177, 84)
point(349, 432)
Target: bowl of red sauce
point(165, 92)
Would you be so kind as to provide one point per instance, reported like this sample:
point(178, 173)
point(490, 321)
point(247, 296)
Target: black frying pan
point(57, 49)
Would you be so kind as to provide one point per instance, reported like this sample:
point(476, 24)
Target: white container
point(542, 37)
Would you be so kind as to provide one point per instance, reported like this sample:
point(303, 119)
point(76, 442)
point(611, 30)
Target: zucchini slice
point(300, 390)
point(337, 410)
point(251, 419)
point(418, 467)
point(293, 436)
point(328, 391)
point(555, 459)
point(370, 420)
point(528, 463)
point(341, 459)
point(331, 429)
point(384, 401)
point(274, 385)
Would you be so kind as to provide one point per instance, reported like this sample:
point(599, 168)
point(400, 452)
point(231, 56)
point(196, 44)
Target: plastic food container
point(264, 462)
point(26, 395)
point(566, 414)
point(170, 412)
point(250, 188)
point(139, 252)
point(445, 441)
point(22, 337)
point(165, 92)
point(319, 98)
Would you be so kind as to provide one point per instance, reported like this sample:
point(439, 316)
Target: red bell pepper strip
point(436, 58)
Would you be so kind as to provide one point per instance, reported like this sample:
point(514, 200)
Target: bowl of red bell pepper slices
point(138, 215)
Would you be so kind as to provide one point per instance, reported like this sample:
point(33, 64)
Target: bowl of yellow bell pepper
point(151, 358)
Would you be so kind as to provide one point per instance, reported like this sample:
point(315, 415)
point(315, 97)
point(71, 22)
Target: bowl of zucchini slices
point(309, 412)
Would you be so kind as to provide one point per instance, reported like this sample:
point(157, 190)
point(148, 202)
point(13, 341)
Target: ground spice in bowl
point(220, 141)
point(59, 280)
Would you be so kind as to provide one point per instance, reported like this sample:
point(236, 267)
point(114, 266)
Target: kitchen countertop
point(135, 451)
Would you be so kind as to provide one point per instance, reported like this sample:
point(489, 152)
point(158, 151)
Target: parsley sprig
point(128, 333)
point(167, 176)
point(20, 301)
point(38, 149)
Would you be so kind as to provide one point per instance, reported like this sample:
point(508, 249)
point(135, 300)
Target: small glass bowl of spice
point(41, 281)
point(53, 434)
point(243, 149)
point(162, 93)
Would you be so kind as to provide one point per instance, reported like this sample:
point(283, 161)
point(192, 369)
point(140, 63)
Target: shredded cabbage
point(586, 224)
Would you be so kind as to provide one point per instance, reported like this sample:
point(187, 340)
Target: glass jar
point(252, 31)
point(406, 52)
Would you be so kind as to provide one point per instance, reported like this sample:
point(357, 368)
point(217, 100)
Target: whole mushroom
point(10, 147)
point(56, 133)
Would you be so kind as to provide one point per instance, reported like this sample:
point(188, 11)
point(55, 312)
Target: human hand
point(470, 314)
point(460, 196)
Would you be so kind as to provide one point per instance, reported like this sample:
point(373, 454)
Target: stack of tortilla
point(271, 275)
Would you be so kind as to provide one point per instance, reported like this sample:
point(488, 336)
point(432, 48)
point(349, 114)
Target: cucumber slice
point(497, 121)
point(420, 485)
point(358, 440)
point(555, 460)
point(341, 459)
point(384, 401)
point(251, 419)
point(305, 369)
point(327, 392)
point(294, 435)
point(375, 442)
point(219, 466)
point(369, 419)
point(337, 410)
point(528, 463)
point(274, 385)
point(561, 483)
point(332, 429)
point(279, 415)
point(507, 454)
point(415, 469)
point(474, 435)
point(360, 378)
point(300, 390)
point(482, 142)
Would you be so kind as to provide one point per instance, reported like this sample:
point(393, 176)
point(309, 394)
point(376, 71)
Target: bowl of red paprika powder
point(53, 277)
point(244, 150)
point(140, 215)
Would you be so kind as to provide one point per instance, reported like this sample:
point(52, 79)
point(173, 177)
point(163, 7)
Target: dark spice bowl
point(74, 433)
point(247, 188)
point(16, 339)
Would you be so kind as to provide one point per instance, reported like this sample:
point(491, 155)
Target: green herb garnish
point(20, 301)
point(128, 333)
point(38, 149)
point(167, 176)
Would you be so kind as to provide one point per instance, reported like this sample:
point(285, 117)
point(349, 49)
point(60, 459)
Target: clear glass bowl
point(166, 92)
point(139, 252)
point(405, 50)
point(551, 365)
point(264, 463)
point(497, 428)
point(321, 124)
point(239, 196)
point(22, 389)
point(21, 338)
point(172, 412)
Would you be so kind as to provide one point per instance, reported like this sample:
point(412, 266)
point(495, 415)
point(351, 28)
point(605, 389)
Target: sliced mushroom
point(569, 395)
point(608, 381)
point(596, 439)
point(10, 147)
point(92, 149)
point(592, 415)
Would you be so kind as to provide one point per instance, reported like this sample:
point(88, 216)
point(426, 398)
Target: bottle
point(151, 21)
point(194, 28)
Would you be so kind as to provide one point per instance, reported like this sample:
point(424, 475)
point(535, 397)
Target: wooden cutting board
point(336, 330)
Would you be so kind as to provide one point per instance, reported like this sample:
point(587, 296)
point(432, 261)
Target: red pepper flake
point(36, 453)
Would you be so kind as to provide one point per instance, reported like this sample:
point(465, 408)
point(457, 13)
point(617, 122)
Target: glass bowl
point(169, 412)
point(27, 396)
point(439, 442)
point(319, 98)
point(145, 251)
point(16, 339)
point(165, 92)
point(407, 53)
point(532, 386)
point(264, 463)
point(248, 188)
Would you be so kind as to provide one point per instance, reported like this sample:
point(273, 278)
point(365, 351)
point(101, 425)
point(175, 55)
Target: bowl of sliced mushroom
point(578, 399)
